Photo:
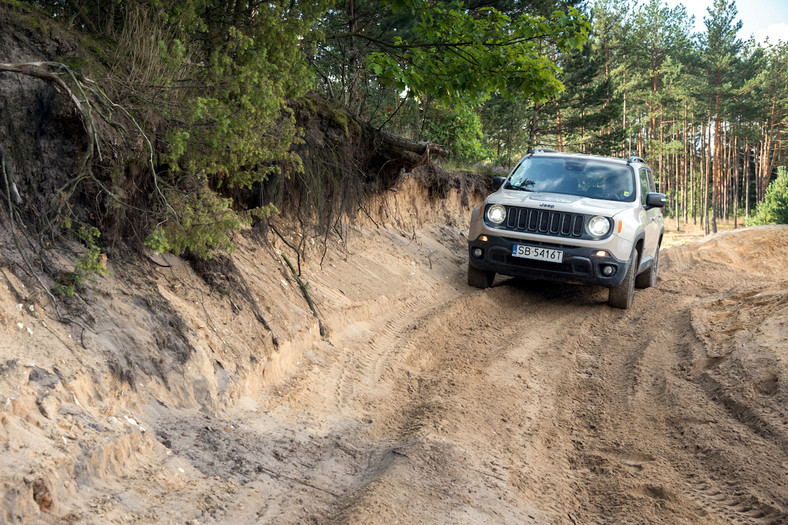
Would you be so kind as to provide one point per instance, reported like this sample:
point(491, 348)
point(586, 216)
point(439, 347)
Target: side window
point(651, 186)
point(644, 185)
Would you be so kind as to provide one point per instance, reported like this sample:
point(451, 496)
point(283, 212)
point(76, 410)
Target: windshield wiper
point(521, 187)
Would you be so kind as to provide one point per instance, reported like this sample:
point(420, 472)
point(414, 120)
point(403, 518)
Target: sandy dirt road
point(525, 403)
point(429, 401)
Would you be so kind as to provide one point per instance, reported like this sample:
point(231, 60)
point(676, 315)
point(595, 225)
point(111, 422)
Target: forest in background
point(707, 110)
point(214, 87)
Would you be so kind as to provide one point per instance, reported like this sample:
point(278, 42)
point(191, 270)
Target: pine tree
point(721, 48)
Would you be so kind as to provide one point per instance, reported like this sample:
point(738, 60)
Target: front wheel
point(648, 278)
point(621, 296)
point(479, 278)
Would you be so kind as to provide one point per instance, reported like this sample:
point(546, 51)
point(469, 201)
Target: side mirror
point(497, 183)
point(655, 200)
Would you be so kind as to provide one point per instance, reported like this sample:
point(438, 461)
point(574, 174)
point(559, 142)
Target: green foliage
point(157, 240)
point(242, 127)
point(456, 55)
point(459, 129)
point(87, 266)
point(389, 61)
point(774, 208)
point(237, 129)
point(505, 129)
point(205, 222)
point(62, 290)
point(90, 263)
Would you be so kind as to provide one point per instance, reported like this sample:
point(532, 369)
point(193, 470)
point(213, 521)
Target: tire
point(648, 278)
point(621, 296)
point(479, 278)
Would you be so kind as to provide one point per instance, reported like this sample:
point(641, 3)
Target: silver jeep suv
point(572, 218)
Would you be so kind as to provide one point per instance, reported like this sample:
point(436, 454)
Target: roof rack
point(542, 150)
point(635, 158)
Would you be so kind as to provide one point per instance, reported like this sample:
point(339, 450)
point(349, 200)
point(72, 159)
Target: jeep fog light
point(608, 270)
point(597, 226)
point(496, 214)
point(477, 252)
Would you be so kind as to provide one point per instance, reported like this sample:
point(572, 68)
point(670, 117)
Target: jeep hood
point(558, 202)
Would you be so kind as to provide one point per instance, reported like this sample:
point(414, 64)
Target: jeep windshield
point(582, 176)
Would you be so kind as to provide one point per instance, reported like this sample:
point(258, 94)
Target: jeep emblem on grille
point(543, 205)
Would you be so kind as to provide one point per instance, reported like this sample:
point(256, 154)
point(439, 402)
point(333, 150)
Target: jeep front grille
point(544, 222)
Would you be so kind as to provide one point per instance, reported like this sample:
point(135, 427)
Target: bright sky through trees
point(760, 18)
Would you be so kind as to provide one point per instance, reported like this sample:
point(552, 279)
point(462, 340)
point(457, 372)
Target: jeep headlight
point(496, 213)
point(597, 226)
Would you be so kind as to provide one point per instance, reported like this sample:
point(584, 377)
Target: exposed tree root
point(11, 212)
point(44, 70)
point(323, 329)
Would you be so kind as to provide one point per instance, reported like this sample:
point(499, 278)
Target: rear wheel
point(648, 278)
point(479, 278)
point(621, 296)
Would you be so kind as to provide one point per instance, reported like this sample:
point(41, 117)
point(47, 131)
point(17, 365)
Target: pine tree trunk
point(706, 170)
point(684, 166)
point(692, 176)
point(758, 164)
point(560, 131)
point(746, 179)
point(660, 160)
point(532, 132)
point(629, 135)
point(736, 183)
point(641, 141)
point(770, 153)
point(676, 189)
point(715, 169)
point(724, 174)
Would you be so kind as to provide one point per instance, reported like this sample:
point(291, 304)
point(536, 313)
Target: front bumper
point(580, 264)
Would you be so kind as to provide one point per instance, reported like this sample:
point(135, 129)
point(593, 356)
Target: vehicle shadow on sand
point(560, 293)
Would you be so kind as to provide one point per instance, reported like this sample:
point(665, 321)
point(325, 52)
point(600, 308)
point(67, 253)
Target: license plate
point(538, 254)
